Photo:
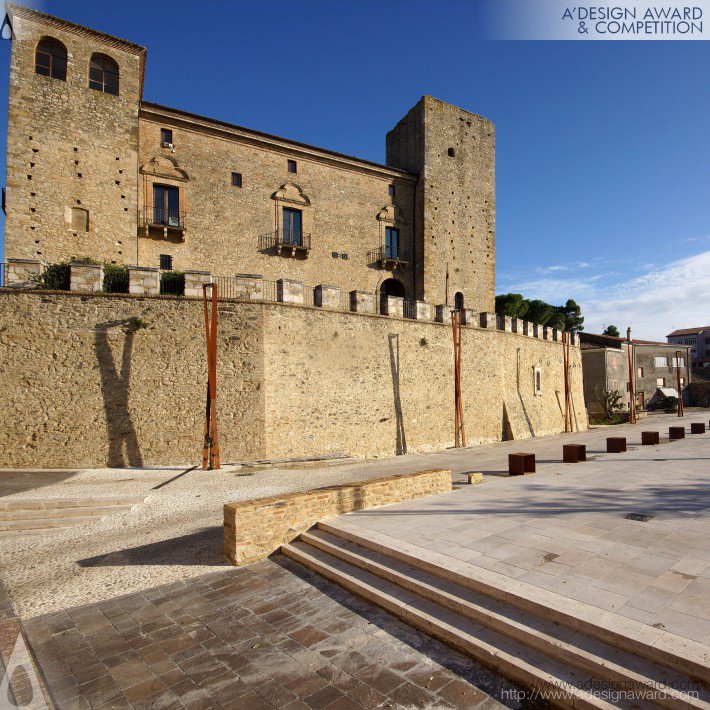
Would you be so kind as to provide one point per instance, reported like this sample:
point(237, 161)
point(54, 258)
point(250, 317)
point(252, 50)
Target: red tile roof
point(688, 331)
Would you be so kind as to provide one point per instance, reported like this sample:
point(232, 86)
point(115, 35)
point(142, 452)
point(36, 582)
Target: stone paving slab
point(268, 635)
point(566, 529)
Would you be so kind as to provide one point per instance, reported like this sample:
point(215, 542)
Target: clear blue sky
point(603, 148)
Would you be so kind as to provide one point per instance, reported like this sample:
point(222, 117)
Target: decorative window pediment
point(391, 214)
point(292, 193)
point(164, 167)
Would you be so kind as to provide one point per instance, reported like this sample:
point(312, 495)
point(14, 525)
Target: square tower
point(72, 143)
point(453, 153)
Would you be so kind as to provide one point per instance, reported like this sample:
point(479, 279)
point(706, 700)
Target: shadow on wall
point(123, 447)
point(520, 394)
point(401, 443)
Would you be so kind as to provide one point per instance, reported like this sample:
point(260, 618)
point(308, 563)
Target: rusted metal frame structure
point(459, 427)
point(210, 447)
point(680, 392)
point(631, 355)
point(568, 389)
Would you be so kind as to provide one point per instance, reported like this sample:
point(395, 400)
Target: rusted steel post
point(632, 388)
point(459, 428)
point(458, 379)
point(210, 447)
point(565, 364)
point(680, 393)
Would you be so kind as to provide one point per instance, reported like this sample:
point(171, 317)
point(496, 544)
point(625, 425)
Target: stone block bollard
point(362, 301)
point(393, 306)
point(86, 278)
point(194, 281)
point(143, 281)
point(249, 287)
point(23, 273)
point(327, 297)
point(289, 291)
point(489, 321)
point(422, 310)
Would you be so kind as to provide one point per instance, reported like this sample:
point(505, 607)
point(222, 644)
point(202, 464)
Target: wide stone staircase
point(43, 516)
point(572, 653)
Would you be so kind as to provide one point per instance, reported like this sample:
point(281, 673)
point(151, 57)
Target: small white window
point(661, 382)
point(660, 361)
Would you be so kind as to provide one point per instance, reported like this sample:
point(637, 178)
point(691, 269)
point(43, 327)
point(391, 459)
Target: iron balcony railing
point(285, 239)
point(161, 217)
point(389, 253)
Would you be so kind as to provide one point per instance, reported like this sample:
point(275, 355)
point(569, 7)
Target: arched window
point(51, 59)
point(103, 74)
point(458, 301)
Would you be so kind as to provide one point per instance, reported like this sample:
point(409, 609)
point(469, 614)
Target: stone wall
point(253, 529)
point(72, 151)
point(91, 380)
point(454, 151)
point(120, 381)
point(345, 204)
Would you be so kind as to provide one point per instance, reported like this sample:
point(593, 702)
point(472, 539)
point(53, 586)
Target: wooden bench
point(649, 438)
point(574, 453)
point(697, 428)
point(521, 463)
point(676, 432)
point(616, 444)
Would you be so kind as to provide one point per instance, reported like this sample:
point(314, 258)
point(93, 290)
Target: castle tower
point(453, 152)
point(72, 144)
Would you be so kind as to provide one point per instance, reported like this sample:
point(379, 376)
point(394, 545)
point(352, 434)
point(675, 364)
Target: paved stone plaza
point(566, 528)
point(138, 610)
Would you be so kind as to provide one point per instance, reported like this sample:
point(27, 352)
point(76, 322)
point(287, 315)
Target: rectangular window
point(639, 371)
point(614, 362)
point(391, 243)
point(291, 232)
point(166, 137)
point(166, 205)
point(660, 361)
point(237, 179)
point(391, 190)
point(166, 262)
point(292, 166)
point(661, 382)
point(682, 381)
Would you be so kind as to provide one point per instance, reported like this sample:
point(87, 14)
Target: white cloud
point(664, 298)
point(562, 267)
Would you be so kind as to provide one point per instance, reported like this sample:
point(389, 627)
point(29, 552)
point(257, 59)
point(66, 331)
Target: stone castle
point(94, 170)
point(96, 378)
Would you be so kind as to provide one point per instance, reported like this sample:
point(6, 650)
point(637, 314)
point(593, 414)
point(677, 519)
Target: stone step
point(516, 661)
point(601, 660)
point(47, 523)
point(15, 534)
point(98, 511)
point(56, 503)
point(684, 656)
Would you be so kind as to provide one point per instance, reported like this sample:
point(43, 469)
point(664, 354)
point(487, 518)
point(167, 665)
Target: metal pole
point(632, 394)
point(680, 393)
point(458, 382)
point(210, 447)
point(456, 389)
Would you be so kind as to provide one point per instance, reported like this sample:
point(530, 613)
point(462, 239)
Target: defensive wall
point(95, 379)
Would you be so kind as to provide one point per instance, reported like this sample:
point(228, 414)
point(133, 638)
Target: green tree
point(573, 315)
point(539, 312)
point(612, 330)
point(511, 304)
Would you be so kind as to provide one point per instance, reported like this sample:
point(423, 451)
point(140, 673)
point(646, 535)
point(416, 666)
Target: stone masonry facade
point(118, 179)
point(95, 379)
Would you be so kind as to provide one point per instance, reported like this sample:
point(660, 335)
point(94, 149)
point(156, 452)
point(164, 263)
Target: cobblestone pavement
point(269, 635)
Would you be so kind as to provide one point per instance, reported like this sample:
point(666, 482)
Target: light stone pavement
point(565, 528)
point(177, 534)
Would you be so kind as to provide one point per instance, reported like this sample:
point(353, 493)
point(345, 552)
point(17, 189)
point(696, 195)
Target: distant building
point(699, 341)
point(605, 365)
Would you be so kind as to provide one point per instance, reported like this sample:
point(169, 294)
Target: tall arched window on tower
point(458, 301)
point(103, 74)
point(51, 58)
